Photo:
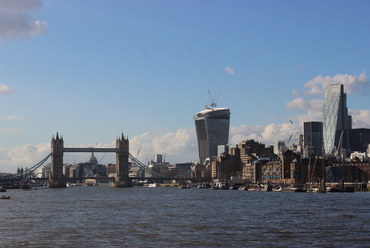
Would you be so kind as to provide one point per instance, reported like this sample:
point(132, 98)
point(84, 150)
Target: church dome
point(92, 159)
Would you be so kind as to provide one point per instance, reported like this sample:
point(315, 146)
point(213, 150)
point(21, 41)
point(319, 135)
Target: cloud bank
point(353, 84)
point(181, 146)
point(313, 108)
point(11, 118)
point(15, 20)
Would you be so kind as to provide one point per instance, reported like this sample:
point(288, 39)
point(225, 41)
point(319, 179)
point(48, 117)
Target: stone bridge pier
point(56, 178)
point(122, 165)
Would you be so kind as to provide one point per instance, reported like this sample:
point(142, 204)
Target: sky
point(92, 70)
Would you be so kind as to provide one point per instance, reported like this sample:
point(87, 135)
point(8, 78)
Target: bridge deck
point(89, 149)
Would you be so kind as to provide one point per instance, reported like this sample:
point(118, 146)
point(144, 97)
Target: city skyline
point(91, 70)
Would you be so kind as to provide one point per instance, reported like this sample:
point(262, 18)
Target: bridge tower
point(122, 155)
point(56, 178)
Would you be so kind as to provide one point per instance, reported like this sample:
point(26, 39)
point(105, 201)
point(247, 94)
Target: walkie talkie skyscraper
point(212, 128)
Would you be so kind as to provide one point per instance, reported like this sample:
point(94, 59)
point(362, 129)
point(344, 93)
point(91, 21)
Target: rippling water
point(172, 217)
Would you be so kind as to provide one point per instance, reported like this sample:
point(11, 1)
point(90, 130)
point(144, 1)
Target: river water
point(172, 217)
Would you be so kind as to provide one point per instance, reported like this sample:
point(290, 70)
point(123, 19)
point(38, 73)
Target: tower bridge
point(58, 180)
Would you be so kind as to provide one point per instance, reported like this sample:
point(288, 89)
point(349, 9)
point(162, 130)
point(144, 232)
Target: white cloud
point(4, 89)
point(15, 21)
point(22, 156)
point(360, 118)
point(245, 132)
point(268, 134)
point(353, 84)
point(179, 146)
point(11, 118)
point(10, 130)
point(229, 70)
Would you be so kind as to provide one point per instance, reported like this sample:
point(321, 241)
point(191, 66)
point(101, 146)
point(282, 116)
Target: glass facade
point(212, 128)
point(336, 119)
point(313, 138)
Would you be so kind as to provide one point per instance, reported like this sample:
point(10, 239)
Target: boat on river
point(26, 183)
point(185, 186)
point(152, 185)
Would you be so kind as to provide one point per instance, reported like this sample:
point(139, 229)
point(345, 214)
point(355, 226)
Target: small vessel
point(5, 197)
point(3, 189)
point(243, 188)
point(233, 187)
point(313, 190)
point(278, 189)
point(338, 189)
point(26, 183)
point(185, 186)
point(293, 189)
point(219, 185)
point(152, 185)
point(204, 186)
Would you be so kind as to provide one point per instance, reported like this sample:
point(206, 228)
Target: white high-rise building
point(337, 122)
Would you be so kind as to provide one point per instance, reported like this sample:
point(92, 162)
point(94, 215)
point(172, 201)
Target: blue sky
point(93, 69)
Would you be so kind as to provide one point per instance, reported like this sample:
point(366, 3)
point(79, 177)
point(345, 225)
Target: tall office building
point(359, 139)
point(212, 128)
point(312, 138)
point(336, 119)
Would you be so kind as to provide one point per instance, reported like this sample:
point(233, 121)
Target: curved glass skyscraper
point(336, 119)
point(212, 128)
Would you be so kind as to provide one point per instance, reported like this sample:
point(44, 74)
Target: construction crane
point(339, 147)
point(290, 137)
point(213, 102)
point(138, 151)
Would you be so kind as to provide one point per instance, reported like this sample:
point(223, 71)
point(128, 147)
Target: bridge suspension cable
point(144, 167)
point(29, 171)
point(153, 173)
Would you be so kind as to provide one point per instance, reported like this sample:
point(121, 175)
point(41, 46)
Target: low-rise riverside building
point(271, 172)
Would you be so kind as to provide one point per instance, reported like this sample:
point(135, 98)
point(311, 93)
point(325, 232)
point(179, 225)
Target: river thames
point(172, 217)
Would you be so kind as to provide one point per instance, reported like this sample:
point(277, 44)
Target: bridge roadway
point(112, 178)
point(89, 149)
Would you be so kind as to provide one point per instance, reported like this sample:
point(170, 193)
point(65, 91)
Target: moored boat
point(26, 183)
point(185, 186)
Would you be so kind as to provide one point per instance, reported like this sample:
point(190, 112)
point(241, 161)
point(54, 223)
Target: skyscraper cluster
point(334, 136)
